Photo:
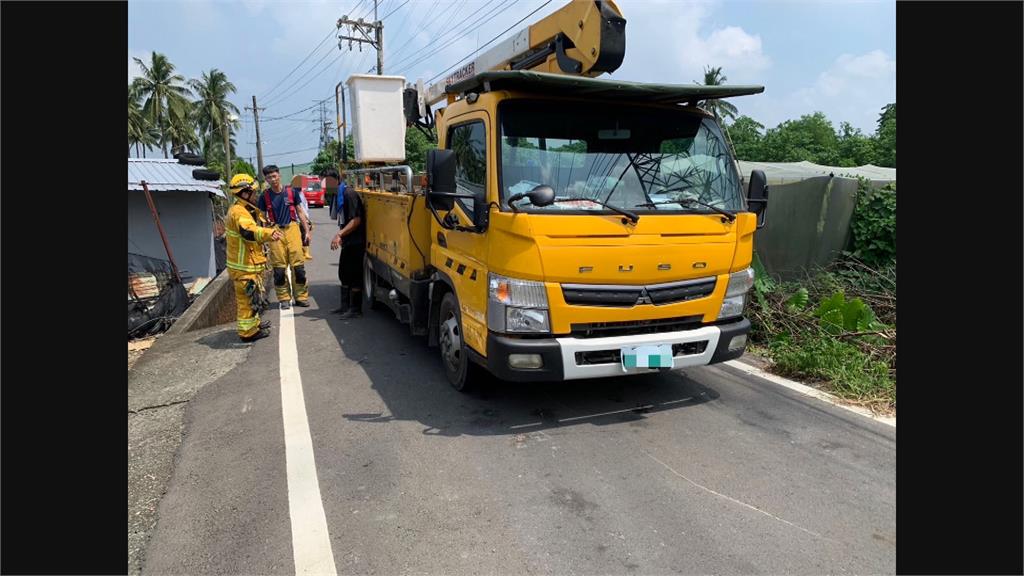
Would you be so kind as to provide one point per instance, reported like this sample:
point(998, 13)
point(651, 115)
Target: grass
point(857, 364)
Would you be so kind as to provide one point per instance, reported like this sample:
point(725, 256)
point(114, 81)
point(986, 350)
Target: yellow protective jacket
point(246, 229)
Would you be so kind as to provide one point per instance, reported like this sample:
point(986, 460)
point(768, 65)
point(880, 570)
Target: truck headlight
point(514, 305)
point(526, 320)
point(735, 293)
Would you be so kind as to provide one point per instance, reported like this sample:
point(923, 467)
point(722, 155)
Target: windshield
point(313, 186)
point(630, 157)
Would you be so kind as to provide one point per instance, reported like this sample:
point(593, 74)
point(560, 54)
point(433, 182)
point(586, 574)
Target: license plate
point(653, 357)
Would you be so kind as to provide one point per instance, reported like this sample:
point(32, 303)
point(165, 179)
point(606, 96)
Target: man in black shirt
point(352, 241)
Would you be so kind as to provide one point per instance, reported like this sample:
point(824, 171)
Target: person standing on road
point(284, 210)
point(306, 237)
point(247, 229)
point(352, 241)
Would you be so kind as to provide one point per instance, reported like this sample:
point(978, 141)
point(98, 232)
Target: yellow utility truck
point(568, 226)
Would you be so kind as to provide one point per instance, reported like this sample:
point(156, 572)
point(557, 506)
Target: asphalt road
point(703, 471)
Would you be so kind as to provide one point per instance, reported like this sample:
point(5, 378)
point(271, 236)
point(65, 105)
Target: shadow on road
point(411, 381)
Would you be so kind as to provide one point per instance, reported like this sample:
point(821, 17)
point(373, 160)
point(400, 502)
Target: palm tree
point(136, 121)
point(719, 108)
point(213, 111)
point(166, 98)
point(141, 133)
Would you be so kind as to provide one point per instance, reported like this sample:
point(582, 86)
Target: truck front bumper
point(571, 358)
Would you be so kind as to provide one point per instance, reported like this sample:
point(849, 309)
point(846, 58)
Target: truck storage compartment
point(393, 236)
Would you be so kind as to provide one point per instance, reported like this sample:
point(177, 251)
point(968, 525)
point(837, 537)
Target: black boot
point(343, 296)
point(355, 305)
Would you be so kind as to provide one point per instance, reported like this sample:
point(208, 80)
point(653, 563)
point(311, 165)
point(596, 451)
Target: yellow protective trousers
point(287, 252)
point(250, 298)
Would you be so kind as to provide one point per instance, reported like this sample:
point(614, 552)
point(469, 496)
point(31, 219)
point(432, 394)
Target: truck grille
point(629, 296)
point(631, 327)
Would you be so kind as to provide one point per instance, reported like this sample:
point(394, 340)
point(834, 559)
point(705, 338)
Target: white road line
point(809, 391)
point(311, 544)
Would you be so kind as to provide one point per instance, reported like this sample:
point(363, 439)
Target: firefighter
point(247, 230)
point(283, 208)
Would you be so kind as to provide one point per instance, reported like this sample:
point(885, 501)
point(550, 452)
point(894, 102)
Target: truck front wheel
point(454, 353)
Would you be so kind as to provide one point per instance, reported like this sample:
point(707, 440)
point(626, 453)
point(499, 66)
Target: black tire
point(204, 174)
point(462, 373)
point(189, 159)
point(369, 283)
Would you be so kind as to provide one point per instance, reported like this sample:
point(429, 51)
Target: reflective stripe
point(247, 323)
point(244, 268)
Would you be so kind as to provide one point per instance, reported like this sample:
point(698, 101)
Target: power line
point(395, 10)
point(297, 66)
point(266, 94)
point(466, 31)
point(425, 26)
point(280, 97)
point(289, 152)
point(502, 33)
point(452, 30)
point(297, 111)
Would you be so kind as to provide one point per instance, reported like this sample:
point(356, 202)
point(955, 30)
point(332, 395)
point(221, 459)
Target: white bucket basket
point(378, 118)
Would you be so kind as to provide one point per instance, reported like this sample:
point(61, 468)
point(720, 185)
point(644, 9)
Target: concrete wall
point(187, 219)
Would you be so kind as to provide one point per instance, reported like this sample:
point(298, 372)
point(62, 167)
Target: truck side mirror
point(757, 195)
point(481, 210)
point(441, 179)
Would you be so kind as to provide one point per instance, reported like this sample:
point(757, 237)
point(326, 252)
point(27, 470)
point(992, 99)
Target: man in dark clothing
point(352, 241)
point(220, 244)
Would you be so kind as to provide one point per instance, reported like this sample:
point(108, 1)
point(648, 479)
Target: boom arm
point(583, 38)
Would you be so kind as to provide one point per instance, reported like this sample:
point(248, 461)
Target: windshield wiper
point(548, 200)
point(730, 215)
point(631, 215)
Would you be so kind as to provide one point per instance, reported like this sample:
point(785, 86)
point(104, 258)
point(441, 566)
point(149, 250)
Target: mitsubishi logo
point(644, 298)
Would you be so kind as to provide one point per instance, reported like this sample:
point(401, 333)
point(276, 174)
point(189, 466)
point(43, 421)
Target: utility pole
point(339, 107)
point(259, 143)
point(227, 151)
point(365, 29)
point(325, 127)
point(380, 41)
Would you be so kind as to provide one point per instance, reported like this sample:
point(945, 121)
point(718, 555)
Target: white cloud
point(853, 89)
point(254, 7)
point(683, 45)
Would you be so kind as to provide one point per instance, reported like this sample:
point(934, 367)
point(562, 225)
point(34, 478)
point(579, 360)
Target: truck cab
point(571, 227)
point(573, 288)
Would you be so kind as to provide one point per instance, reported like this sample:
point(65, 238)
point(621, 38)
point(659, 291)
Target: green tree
point(747, 136)
point(719, 108)
point(212, 110)
point(166, 99)
point(326, 158)
point(885, 137)
point(416, 147)
point(811, 138)
point(141, 134)
point(854, 148)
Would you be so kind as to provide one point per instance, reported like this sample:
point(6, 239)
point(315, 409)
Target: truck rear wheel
point(461, 371)
point(369, 283)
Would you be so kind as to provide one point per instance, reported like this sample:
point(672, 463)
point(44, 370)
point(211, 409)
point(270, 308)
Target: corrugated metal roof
point(168, 176)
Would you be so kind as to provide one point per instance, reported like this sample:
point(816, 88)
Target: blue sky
point(838, 57)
